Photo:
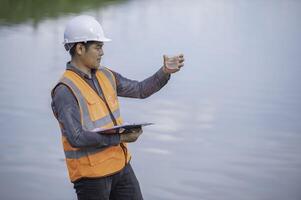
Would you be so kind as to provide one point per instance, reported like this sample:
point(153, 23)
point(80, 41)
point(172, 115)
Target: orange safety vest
point(94, 162)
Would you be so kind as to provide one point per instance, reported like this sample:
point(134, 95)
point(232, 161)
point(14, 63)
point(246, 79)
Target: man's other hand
point(130, 136)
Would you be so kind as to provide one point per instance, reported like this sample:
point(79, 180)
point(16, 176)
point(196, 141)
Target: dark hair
point(86, 45)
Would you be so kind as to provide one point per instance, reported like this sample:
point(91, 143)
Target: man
point(85, 98)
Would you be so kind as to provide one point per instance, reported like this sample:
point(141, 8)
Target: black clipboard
point(121, 128)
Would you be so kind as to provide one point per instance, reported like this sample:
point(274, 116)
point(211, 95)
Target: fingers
point(181, 58)
point(136, 132)
point(164, 58)
point(137, 129)
point(180, 65)
point(181, 61)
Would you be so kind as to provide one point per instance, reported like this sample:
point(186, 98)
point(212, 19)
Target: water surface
point(227, 126)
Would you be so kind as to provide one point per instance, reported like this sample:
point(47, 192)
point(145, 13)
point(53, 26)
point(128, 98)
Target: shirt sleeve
point(66, 109)
point(142, 89)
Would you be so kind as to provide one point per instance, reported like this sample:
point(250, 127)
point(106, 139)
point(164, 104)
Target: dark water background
point(227, 126)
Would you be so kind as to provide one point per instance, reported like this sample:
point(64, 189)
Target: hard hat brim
point(106, 40)
point(98, 40)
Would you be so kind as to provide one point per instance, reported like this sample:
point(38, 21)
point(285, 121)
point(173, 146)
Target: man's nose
point(101, 53)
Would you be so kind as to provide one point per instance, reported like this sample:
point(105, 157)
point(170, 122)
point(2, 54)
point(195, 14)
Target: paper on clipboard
point(121, 128)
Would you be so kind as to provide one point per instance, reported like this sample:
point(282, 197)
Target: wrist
point(164, 69)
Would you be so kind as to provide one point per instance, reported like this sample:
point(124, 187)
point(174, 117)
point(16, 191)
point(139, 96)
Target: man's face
point(91, 56)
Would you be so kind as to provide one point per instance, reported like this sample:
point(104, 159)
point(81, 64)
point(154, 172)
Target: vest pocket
point(94, 111)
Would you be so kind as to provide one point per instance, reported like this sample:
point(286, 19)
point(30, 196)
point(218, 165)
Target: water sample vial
point(171, 62)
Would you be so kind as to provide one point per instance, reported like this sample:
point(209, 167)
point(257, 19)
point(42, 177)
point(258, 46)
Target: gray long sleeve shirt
point(65, 106)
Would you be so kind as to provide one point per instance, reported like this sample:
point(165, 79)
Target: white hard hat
point(83, 28)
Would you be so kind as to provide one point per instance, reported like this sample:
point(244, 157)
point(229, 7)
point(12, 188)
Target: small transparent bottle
point(171, 62)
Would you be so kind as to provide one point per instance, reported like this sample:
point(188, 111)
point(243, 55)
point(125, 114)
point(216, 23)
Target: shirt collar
point(72, 67)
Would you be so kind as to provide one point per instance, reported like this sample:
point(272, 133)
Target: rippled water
point(227, 126)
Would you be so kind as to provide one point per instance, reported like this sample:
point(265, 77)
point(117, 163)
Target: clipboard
point(121, 128)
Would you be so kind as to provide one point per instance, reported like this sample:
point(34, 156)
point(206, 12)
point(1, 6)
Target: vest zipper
point(100, 91)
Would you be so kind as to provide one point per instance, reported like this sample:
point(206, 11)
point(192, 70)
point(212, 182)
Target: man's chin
point(96, 66)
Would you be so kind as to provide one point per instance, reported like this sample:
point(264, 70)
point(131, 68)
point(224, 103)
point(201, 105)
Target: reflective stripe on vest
point(81, 153)
point(109, 75)
point(92, 161)
point(88, 124)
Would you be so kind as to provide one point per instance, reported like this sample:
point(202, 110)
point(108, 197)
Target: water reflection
point(18, 11)
point(156, 151)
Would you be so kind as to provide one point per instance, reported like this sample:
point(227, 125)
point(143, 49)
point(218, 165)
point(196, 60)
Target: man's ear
point(80, 49)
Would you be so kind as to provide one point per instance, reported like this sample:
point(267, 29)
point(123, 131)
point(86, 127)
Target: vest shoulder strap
point(109, 74)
